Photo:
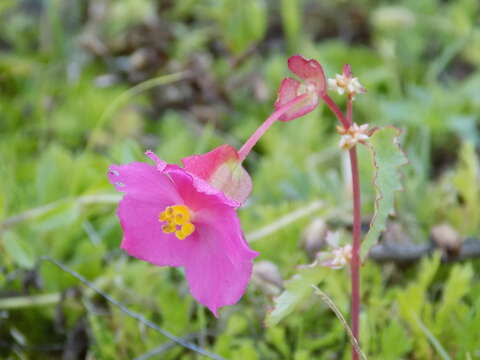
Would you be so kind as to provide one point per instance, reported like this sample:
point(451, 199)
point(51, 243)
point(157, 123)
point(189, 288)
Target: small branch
point(44, 209)
point(131, 313)
point(28, 215)
point(158, 350)
point(253, 139)
point(335, 109)
point(326, 299)
point(285, 221)
point(128, 94)
point(164, 347)
point(16, 302)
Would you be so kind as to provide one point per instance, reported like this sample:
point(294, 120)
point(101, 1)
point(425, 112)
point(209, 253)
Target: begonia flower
point(353, 135)
point(313, 84)
point(186, 217)
point(338, 256)
point(346, 83)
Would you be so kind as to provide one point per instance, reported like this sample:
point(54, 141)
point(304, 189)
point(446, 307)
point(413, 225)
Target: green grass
point(60, 130)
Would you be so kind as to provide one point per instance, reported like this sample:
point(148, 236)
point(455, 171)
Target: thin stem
point(346, 122)
point(349, 110)
point(35, 213)
point(355, 263)
point(326, 299)
point(250, 143)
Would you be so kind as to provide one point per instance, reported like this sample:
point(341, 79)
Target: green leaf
point(18, 250)
point(433, 340)
point(395, 342)
point(466, 183)
point(387, 157)
point(291, 11)
point(457, 286)
point(2, 206)
point(296, 290)
point(413, 304)
point(242, 23)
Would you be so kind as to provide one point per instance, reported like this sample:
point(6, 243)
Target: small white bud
point(353, 135)
point(346, 84)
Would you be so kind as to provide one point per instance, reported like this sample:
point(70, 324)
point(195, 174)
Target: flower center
point(177, 220)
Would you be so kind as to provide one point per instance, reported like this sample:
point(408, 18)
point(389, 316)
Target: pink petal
point(147, 193)
point(220, 265)
point(222, 169)
point(196, 192)
point(308, 69)
point(142, 181)
point(143, 237)
point(304, 107)
point(287, 92)
point(216, 257)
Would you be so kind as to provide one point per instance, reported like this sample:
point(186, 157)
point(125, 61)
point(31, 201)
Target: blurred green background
point(82, 85)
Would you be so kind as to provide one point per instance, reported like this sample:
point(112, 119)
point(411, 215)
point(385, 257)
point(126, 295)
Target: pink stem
point(349, 110)
point(331, 104)
point(355, 263)
point(250, 143)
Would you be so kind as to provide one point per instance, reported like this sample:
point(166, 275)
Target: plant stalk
point(250, 143)
point(346, 122)
point(355, 262)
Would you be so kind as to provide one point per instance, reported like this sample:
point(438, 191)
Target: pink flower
point(173, 216)
point(313, 85)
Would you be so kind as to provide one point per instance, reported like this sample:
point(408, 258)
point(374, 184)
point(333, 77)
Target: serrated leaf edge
point(379, 196)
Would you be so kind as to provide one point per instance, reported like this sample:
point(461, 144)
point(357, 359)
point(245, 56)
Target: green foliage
point(466, 185)
point(292, 19)
point(17, 250)
point(387, 157)
point(297, 289)
point(241, 23)
point(395, 342)
point(66, 114)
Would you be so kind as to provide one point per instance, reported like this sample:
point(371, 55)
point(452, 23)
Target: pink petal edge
point(222, 169)
point(287, 91)
point(308, 69)
point(304, 107)
point(221, 263)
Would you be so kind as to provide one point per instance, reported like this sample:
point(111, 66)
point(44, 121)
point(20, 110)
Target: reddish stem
point(349, 110)
point(250, 143)
point(346, 122)
point(355, 263)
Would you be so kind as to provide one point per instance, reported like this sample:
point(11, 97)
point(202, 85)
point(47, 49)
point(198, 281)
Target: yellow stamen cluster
point(177, 218)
